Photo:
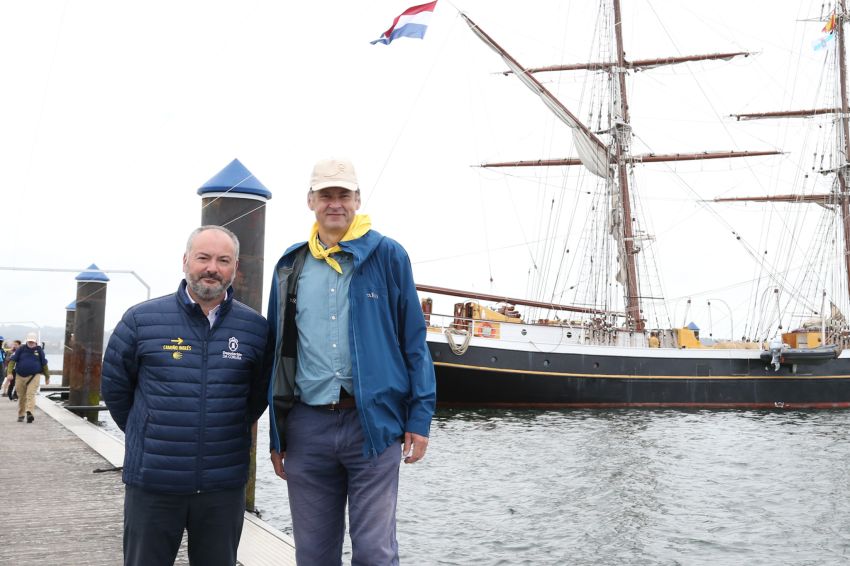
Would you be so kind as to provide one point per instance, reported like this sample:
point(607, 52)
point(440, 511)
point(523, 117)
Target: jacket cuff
point(418, 423)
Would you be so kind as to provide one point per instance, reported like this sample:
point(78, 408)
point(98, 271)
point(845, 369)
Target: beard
point(203, 290)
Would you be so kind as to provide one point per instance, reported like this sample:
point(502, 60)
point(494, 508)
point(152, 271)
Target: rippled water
point(620, 487)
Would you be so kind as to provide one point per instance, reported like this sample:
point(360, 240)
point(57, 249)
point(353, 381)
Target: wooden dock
point(57, 509)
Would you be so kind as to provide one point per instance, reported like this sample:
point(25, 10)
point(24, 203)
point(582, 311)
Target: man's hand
point(277, 462)
point(414, 447)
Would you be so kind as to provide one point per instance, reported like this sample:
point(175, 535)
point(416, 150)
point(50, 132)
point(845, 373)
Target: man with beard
point(185, 378)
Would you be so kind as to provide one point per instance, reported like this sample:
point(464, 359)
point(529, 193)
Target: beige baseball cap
point(32, 337)
point(334, 173)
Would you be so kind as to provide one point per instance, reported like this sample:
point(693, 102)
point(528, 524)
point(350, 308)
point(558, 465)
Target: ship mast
point(622, 132)
point(841, 198)
point(608, 160)
point(640, 158)
point(841, 17)
point(637, 64)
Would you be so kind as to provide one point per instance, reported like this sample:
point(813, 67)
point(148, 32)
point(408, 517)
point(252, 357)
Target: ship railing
point(462, 322)
point(461, 326)
point(441, 321)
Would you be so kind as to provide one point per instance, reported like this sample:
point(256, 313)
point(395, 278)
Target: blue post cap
point(692, 326)
point(72, 306)
point(92, 274)
point(236, 181)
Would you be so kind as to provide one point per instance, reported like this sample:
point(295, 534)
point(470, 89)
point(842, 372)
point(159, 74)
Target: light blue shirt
point(322, 317)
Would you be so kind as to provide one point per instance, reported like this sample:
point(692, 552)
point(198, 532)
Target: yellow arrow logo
point(178, 341)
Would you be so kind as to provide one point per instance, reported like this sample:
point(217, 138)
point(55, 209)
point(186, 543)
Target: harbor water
point(615, 487)
point(630, 487)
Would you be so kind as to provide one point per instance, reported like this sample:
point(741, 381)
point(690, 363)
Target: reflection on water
point(619, 487)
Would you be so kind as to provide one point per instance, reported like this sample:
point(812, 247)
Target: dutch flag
point(411, 23)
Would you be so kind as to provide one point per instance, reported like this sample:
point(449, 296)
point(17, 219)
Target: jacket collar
point(189, 306)
point(360, 249)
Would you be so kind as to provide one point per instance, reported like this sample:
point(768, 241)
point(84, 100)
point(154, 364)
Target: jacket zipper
point(360, 410)
point(202, 432)
point(281, 291)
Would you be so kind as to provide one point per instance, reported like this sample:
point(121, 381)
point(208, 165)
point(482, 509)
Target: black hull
point(493, 377)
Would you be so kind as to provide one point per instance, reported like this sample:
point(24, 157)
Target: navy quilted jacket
point(185, 394)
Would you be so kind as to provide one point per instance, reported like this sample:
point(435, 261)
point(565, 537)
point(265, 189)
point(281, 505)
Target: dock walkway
point(56, 510)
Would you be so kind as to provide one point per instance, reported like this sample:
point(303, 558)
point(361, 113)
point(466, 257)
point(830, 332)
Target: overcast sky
point(114, 113)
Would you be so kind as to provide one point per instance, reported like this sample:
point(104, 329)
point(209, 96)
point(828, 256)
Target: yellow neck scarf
point(362, 224)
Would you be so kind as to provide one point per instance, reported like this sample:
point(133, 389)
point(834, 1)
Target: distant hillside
point(52, 336)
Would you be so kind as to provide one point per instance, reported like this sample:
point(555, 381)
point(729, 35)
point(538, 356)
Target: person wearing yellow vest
point(352, 390)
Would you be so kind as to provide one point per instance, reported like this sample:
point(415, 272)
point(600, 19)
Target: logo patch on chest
point(233, 345)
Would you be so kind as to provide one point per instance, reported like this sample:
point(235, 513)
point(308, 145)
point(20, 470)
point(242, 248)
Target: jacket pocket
point(371, 303)
point(135, 457)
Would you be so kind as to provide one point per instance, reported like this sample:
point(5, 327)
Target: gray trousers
point(325, 467)
point(154, 524)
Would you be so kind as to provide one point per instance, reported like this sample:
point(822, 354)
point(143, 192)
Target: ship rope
point(809, 237)
point(457, 350)
point(555, 264)
point(588, 274)
point(572, 254)
point(554, 348)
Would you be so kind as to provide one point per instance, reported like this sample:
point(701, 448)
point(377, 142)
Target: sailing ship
point(609, 348)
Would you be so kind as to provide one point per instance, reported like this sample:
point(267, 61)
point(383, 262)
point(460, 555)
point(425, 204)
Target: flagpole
point(409, 115)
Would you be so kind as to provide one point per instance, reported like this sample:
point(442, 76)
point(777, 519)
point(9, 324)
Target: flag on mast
point(829, 30)
point(830, 24)
point(411, 23)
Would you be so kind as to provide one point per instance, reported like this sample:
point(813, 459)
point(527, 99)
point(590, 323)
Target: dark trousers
point(154, 524)
point(325, 467)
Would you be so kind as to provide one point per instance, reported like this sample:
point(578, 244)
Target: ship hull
point(641, 377)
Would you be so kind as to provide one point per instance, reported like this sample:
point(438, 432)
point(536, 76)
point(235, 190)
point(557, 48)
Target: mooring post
point(70, 315)
point(87, 355)
point(235, 199)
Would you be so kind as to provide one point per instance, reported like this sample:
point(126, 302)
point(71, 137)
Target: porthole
point(595, 365)
point(493, 359)
point(569, 334)
point(546, 363)
point(524, 332)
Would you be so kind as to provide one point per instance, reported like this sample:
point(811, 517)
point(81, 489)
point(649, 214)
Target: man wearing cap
point(29, 365)
point(184, 376)
point(352, 390)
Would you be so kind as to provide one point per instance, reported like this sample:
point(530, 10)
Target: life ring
point(486, 330)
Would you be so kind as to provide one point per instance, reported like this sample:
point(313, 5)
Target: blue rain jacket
point(394, 381)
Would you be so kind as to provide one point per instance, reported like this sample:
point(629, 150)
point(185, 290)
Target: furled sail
point(591, 150)
point(615, 229)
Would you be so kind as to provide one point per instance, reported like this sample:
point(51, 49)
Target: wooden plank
point(69, 515)
point(263, 545)
point(56, 511)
